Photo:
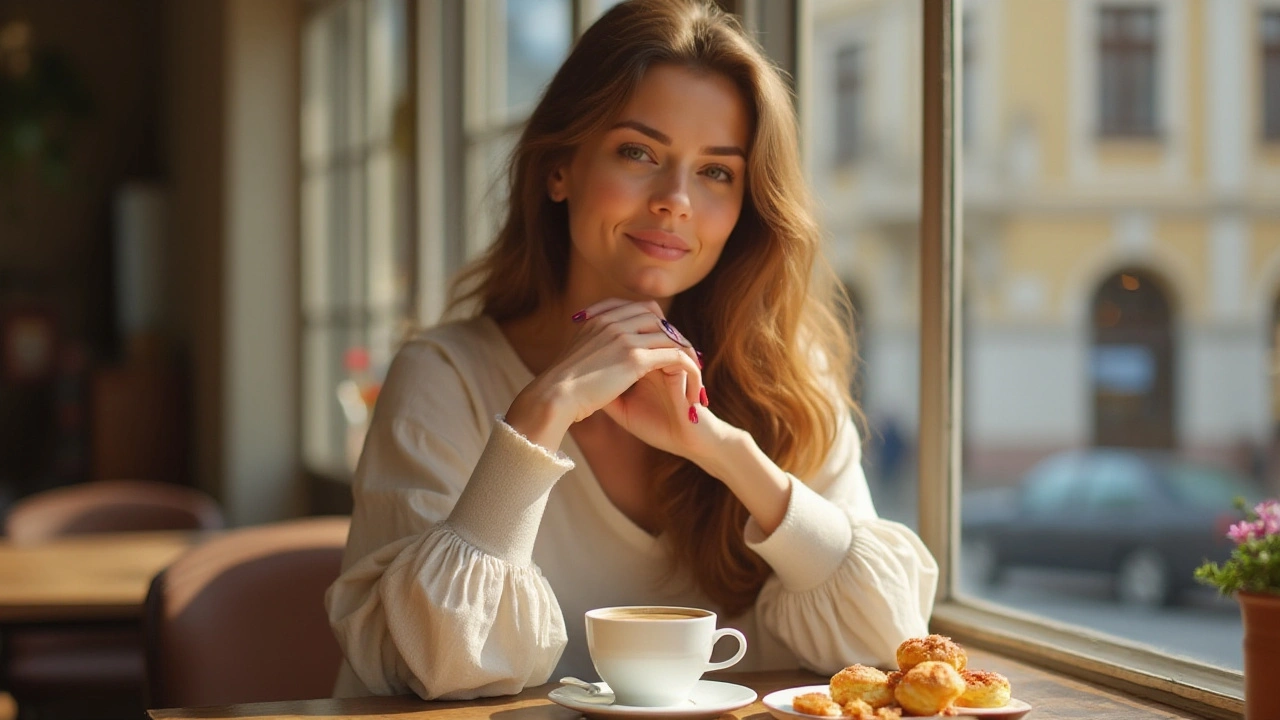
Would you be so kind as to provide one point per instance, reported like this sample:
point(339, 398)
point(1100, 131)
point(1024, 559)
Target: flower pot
point(1261, 614)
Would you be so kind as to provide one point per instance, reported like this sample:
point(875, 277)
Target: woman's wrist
point(757, 481)
point(538, 414)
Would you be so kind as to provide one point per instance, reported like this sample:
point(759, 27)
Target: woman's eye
point(633, 152)
point(719, 173)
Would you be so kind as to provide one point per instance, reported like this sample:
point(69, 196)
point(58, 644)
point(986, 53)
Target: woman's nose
point(672, 195)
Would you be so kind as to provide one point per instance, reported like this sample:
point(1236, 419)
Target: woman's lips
point(660, 245)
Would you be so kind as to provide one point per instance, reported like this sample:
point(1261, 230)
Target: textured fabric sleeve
point(848, 587)
point(439, 595)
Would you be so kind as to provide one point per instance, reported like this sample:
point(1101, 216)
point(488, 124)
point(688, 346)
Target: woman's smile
point(659, 244)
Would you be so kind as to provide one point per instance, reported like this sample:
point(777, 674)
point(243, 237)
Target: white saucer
point(779, 704)
point(710, 699)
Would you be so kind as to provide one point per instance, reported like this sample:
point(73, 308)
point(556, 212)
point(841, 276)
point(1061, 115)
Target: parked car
point(1148, 518)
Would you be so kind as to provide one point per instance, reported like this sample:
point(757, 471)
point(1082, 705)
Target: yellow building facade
point(1122, 218)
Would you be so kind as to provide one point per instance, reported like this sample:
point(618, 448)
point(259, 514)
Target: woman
point(569, 448)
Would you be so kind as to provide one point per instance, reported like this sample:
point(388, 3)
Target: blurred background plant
point(41, 99)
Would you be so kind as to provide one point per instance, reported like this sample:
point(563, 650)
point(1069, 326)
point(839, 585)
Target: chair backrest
point(110, 506)
point(241, 618)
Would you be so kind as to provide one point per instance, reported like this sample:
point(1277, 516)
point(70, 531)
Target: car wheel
point(984, 562)
point(1143, 579)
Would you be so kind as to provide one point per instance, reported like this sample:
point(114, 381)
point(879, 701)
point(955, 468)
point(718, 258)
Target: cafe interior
point(219, 218)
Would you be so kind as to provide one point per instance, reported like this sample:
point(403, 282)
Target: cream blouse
point(474, 553)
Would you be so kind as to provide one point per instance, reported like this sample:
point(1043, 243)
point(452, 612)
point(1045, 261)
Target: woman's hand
point(618, 344)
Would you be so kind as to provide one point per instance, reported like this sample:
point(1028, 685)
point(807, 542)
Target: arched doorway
point(1131, 366)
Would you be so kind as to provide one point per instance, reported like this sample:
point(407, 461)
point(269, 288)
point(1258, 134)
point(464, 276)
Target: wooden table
point(1053, 698)
point(84, 578)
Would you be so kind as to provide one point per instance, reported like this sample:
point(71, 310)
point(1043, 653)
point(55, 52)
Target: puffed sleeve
point(439, 594)
point(848, 587)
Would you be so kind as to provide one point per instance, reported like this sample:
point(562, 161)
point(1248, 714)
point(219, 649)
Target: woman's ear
point(557, 184)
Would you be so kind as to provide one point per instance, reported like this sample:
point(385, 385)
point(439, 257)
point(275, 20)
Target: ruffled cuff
point(809, 545)
point(501, 507)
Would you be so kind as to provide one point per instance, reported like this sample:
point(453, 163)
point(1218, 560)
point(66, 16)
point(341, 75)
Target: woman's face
point(653, 198)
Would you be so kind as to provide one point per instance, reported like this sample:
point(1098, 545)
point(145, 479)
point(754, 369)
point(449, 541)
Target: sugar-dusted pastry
point(859, 710)
point(914, 651)
point(816, 703)
point(984, 689)
point(894, 678)
point(929, 688)
point(861, 682)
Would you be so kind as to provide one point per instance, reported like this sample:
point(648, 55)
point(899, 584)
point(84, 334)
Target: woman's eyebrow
point(666, 139)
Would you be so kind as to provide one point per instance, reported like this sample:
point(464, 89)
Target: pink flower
point(1268, 517)
point(1245, 530)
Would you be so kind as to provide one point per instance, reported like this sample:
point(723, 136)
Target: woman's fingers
point(642, 325)
point(613, 310)
point(653, 353)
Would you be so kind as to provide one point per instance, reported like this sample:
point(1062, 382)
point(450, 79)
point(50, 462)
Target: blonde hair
point(769, 315)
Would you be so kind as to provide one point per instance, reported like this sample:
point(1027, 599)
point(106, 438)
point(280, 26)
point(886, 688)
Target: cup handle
point(742, 649)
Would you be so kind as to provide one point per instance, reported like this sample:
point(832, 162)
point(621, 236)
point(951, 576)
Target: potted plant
point(1252, 575)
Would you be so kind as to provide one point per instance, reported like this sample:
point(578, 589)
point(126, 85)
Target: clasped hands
point(628, 361)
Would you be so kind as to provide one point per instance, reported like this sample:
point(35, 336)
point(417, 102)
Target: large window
point(865, 87)
point(1115, 328)
point(515, 46)
point(357, 214)
point(1113, 318)
point(1127, 62)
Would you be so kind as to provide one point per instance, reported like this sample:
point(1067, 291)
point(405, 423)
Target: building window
point(851, 100)
point(1271, 75)
point(1127, 82)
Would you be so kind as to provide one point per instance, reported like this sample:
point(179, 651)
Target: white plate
point(709, 699)
point(779, 704)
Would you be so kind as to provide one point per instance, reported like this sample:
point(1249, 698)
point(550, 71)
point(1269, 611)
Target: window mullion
point(940, 386)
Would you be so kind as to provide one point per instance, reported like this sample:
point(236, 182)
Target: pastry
point(914, 651)
point(984, 689)
point(858, 709)
point(861, 682)
point(816, 703)
point(929, 688)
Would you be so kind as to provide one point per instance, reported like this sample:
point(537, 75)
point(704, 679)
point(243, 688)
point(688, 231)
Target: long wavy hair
point(770, 317)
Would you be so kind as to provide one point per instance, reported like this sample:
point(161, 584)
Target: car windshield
point(1206, 487)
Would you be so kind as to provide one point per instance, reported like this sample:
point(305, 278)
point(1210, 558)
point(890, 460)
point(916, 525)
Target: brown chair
point(102, 663)
point(241, 617)
point(110, 506)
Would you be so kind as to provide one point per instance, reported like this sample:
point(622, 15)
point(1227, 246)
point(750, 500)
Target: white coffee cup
point(652, 655)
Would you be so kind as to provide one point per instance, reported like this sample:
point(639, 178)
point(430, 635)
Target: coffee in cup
point(653, 655)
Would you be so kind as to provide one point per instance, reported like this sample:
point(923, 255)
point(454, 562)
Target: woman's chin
point(656, 289)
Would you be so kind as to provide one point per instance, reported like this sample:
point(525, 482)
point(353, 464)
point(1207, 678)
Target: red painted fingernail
point(702, 395)
point(580, 316)
point(693, 414)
